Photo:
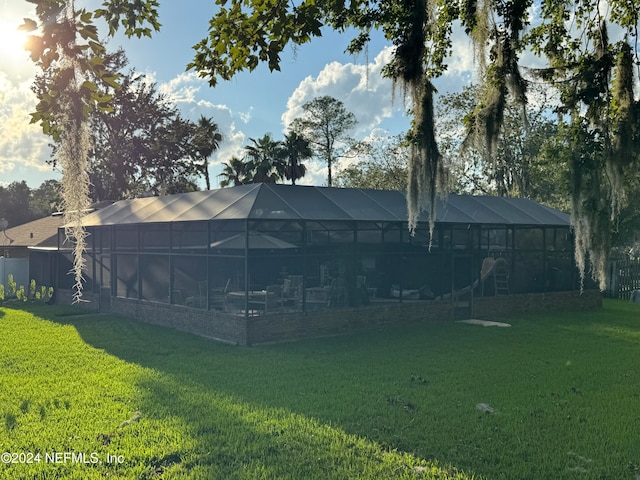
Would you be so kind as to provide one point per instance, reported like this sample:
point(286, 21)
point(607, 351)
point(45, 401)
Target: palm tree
point(207, 140)
point(265, 159)
point(234, 172)
point(295, 149)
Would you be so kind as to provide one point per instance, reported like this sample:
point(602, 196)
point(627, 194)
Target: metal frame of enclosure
point(263, 249)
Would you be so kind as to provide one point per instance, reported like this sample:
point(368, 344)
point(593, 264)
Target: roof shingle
point(41, 232)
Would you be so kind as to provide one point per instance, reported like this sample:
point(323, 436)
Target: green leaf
point(92, 87)
point(105, 107)
point(89, 31)
point(35, 117)
point(85, 17)
point(28, 25)
point(97, 48)
point(111, 80)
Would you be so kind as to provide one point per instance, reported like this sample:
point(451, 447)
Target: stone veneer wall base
point(280, 327)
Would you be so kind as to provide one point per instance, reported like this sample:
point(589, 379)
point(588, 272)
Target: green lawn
point(146, 402)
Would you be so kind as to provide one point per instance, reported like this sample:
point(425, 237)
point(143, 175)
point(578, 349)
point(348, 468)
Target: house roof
point(299, 202)
point(42, 232)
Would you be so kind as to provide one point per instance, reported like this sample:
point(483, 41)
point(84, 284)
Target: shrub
point(21, 295)
point(11, 285)
point(43, 294)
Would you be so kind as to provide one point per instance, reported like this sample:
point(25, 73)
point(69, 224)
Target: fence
point(18, 267)
point(623, 277)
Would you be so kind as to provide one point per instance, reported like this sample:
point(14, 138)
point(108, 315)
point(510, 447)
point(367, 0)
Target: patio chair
point(273, 297)
point(178, 297)
point(296, 281)
point(292, 291)
point(338, 291)
point(219, 296)
point(317, 297)
point(362, 292)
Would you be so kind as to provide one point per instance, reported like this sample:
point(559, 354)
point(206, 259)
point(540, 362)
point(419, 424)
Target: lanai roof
point(289, 202)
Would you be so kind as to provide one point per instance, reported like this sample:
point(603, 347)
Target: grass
point(387, 404)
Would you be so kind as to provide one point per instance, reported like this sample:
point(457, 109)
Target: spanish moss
point(624, 115)
point(501, 77)
point(427, 173)
point(591, 218)
point(73, 156)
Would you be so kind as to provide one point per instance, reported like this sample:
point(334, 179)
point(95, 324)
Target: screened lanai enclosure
point(268, 249)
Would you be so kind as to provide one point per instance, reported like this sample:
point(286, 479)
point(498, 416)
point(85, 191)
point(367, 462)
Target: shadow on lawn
point(277, 403)
point(395, 388)
point(238, 440)
point(280, 399)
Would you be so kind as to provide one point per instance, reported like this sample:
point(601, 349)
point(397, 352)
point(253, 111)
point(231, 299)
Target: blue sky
point(248, 106)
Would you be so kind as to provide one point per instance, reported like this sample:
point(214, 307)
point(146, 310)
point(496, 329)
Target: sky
point(248, 106)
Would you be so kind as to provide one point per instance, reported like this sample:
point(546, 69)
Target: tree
point(245, 33)
point(268, 161)
point(520, 166)
point(207, 140)
point(170, 166)
point(326, 124)
point(594, 76)
point(295, 149)
point(626, 232)
point(15, 200)
point(385, 167)
point(265, 160)
point(234, 172)
point(46, 199)
point(141, 145)
point(20, 204)
point(68, 50)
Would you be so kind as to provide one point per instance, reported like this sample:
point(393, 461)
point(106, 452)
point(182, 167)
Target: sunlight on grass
point(399, 403)
point(619, 333)
point(130, 421)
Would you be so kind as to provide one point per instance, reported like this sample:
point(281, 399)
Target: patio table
point(257, 299)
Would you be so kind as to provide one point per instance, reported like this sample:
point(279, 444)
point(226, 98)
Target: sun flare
point(12, 41)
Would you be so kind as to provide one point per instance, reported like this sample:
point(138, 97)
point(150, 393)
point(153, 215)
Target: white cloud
point(233, 137)
point(232, 145)
point(462, 62)
point(316, 173)
point(183, 88)
point(246, 116)
point(370, 96)
point(361, 88)
point(21, 144)
point(185, 92)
